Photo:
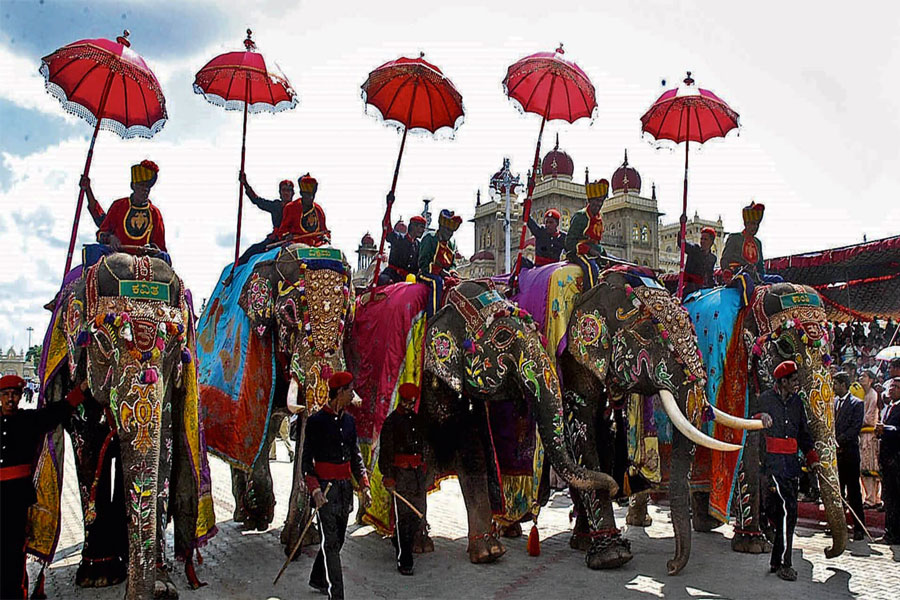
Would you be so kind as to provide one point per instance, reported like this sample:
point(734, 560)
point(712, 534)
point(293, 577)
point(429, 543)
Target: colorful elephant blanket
point(44, 516)
point(236, 371)
point(718, 322)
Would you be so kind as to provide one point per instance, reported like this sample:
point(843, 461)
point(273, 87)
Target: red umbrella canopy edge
point(77, 73)
point(413, 94)
point(223, 82)
point(532, 80)
point(689, 113)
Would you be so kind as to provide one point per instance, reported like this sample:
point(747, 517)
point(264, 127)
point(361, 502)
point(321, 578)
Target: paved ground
point(241, 564)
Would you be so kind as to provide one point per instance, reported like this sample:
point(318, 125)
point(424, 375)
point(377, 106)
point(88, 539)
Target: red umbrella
point(412, 94)
point(242, 81)
point(110, 86)
point(546, 84)
point(688, 114)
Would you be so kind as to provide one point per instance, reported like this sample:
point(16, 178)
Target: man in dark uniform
point(585, 232)
point(437, 258)
point(888, 432)
point(700, 262)
point(782, 413)
point(848, 420)
point(331, 455)
point(21, 432)
point(402, 466)
point(275, 208)
point(549, 241)
point(404, 256)
point(303, 219)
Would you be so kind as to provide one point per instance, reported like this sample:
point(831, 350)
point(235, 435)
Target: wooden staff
point(408, 503)
point(300, 539)
point(847, 504)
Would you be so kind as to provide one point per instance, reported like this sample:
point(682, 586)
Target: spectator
point(848, 420)
point(888, 431)
point(868, 443)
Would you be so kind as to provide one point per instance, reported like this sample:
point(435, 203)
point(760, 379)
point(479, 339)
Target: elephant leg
point(581, 533)
point(472, 466)
point(608, 549)
point(701, 520)
point(748, 534)
point(239, 492)
point(103, 555)
point(300, 504)
point(256, 502)
point(637, 510)
point(679, 501)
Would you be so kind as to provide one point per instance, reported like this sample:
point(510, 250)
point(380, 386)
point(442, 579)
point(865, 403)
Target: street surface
point(242, 564)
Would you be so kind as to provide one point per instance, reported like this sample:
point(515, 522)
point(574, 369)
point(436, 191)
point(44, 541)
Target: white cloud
point(23, 85)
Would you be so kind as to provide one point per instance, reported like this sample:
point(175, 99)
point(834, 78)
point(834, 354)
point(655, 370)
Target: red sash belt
point(408, 461)
point(540, 261)
point(776, 445)
point(693, 278)
point(403, 272)
point(15, 472)
point(326, 470)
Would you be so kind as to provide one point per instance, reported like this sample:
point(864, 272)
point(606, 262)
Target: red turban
point(12, 382)
point(553, 214)
point(786, 368)
point(710, 231)
point(418, 219)
point(340, 379)
point(409, 391)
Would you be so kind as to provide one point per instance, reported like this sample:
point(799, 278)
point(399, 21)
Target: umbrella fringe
point(254, 108)
point(446, 132)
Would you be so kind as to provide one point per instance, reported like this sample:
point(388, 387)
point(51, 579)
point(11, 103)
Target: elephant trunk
point(834, 510)
point(139, 418)
point(549, 413)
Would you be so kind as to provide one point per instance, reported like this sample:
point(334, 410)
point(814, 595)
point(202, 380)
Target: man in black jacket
point(404, 256)
point(275, 208)
point(787, 429)
point(888, 431)
point(848, 420)
point(331, 455)
point(21, 432)
point(402, 465)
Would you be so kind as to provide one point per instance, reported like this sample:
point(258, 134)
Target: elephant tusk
point(729, 420)
point(689, 431)
point(292, 397)
point(357, 400)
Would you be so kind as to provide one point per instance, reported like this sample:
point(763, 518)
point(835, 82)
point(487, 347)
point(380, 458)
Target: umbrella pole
point(87, 169)
point(526, 212)
point(687, 145)
point(237, 239)
point(386, 221)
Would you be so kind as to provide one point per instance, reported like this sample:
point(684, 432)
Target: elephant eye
point(785, 347)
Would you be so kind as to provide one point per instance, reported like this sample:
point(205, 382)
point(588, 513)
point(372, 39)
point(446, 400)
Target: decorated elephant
point(480, 354)
point(627, 357)
point(744, 335)
point(270, 338)
point(126, 328)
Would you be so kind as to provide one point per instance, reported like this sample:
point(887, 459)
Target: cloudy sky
point(817, 90)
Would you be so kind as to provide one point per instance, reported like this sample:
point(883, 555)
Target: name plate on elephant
point(319, 253)
point(792, 300)
point(144, 290)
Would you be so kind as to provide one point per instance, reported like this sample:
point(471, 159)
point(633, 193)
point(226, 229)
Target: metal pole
point(237, 239)
point(508, 227)
point(687, 145)
point(87, 169)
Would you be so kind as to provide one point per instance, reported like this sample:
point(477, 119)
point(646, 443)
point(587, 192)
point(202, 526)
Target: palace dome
point(618, 182)
point(557, 162)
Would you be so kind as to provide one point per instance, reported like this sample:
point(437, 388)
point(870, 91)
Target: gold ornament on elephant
point(327, 307)
point(675, 320)
point(142, 415)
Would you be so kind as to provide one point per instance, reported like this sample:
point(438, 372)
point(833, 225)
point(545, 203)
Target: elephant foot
point(239, 515)
point(484, 548)
point(580, 540)
point(750, 543)
point(637, 516)
point(704, 523)
point(101, 572)
point(422, 543)
point(510, 531)
point(163, 586)
point(608, 552)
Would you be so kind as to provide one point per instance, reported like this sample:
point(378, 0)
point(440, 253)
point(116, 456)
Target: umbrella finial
point(249, 44)
point(587, 177)
point(421, 54)
point(556, 147)
point(560, 49)
point(689, 80)
point(625, 164)
point(123, 39)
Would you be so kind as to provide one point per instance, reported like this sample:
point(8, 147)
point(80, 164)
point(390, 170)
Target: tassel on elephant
point(128, 331)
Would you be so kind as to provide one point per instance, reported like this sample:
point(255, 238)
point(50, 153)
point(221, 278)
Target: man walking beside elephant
point(402, 465)
point(330, 457)
point(787, 429)
point(848, 420)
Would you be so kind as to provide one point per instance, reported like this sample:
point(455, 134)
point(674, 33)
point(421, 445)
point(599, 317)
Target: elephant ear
point(74, 327)
point(443, 356)
point(258, 297)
